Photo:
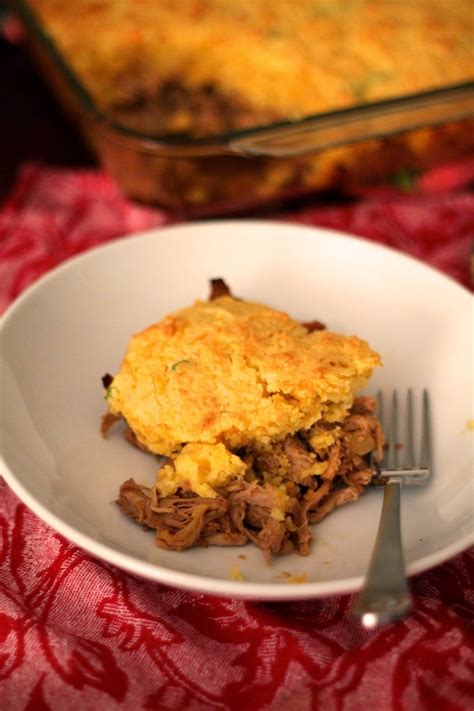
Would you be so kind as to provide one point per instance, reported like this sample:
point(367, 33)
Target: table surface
point(79, 634)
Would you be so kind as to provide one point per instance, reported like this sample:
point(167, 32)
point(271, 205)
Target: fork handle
point(385, 596)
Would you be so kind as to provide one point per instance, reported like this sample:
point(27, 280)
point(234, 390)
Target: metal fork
point(385, 596)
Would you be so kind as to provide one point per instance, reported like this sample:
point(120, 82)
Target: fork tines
point(408, 470)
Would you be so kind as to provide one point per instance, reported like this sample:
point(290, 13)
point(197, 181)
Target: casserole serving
point(257, 417)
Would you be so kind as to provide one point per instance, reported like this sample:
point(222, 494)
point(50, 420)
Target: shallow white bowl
point(73, 325)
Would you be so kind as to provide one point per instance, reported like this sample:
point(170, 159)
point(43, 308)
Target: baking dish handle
point(375, 120)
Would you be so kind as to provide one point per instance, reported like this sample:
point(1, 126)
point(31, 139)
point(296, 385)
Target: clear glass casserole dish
point(226, 172)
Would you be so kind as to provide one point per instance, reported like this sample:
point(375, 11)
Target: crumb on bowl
point(236, 573)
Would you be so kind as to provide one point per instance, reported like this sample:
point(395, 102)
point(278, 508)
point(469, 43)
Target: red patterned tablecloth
point(76, 633)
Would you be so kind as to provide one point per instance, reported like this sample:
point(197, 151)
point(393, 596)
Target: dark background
point(32, 124)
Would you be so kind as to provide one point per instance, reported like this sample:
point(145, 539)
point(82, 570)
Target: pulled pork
point(218, 288)
point(281, 496)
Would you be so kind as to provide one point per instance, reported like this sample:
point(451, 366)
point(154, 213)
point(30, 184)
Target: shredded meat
point(131, 437)
point(218, 288)
point(271, 536)
point(108, 421)
point(227, 538)
point(334, 462)
point(359, 478)
point(314, 326)
point(272, 462)
point(364, 406)
point(256, 510)
point(300, 460)
point(257, 516)
point(289, 459)
point(134, 500)
point(254, 494)
point(179, 522)
point(187, 534)
point(303, 533)
point(331, 502)
point(237, 514)
point(365, 433)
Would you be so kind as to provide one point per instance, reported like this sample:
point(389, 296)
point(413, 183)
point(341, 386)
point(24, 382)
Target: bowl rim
point(190, 581)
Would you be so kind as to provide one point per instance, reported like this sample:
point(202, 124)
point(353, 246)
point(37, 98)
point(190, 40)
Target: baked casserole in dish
point(210, 105)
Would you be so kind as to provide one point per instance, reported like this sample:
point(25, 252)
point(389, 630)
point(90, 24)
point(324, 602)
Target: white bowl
point(73, 326)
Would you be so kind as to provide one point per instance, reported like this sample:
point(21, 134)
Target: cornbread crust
point(236, 373)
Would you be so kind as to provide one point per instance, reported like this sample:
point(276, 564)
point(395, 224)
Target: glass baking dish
point(230, 172)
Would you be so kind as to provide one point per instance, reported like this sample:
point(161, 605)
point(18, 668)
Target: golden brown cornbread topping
point(236, 373)
point(247, 63)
